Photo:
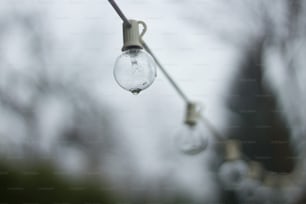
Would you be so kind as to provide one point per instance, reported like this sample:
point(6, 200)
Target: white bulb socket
point(192, 114)
point(271, 180)
point(255, 170)
point(232, 150)
point(131, 36)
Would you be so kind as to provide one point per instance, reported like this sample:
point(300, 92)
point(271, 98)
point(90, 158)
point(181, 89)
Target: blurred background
point(70, 134)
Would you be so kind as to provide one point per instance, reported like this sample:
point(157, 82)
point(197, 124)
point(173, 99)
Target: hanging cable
point(146, 47)
point(119, 12)
point(170, 79)
point(206, 122)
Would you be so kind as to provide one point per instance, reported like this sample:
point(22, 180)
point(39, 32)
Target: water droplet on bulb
point(135, 91)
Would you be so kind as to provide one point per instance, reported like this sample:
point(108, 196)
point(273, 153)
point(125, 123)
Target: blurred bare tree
point(51, 113)
point(268, 90)
point(264, 123)
point(45, 114)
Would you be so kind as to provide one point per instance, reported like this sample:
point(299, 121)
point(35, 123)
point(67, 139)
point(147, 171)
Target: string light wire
point(208, 124)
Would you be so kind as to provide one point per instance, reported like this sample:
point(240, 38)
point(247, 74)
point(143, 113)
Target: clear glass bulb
point(231, 173)
point(134, 70)
point(190, 139)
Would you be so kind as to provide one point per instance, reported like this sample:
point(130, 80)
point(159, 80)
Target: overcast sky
point(86, 36)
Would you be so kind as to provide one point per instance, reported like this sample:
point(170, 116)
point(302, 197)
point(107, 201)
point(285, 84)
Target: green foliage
point(41, 185)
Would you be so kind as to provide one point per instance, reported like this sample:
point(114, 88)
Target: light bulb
point(247, 190)
point(269, 195)
point(135, 70)
point(190, 139)
point(231, 173)
point(249, 185)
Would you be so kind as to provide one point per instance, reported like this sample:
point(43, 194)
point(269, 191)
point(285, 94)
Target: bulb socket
point(255, 170)
point(131, 36)
point(232, 150)
point(192, 114)
point(271, 180)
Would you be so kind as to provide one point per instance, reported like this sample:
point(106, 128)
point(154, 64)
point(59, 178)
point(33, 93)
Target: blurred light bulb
point(231, 173)
point(190, 139)
point(134, 70)
point(247, 190)
point(269, 195)
point(249, 185)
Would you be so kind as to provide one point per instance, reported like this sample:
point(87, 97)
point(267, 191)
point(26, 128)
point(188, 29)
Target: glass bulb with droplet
point(231, 173)
point(135, 70)
point(191, 139)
